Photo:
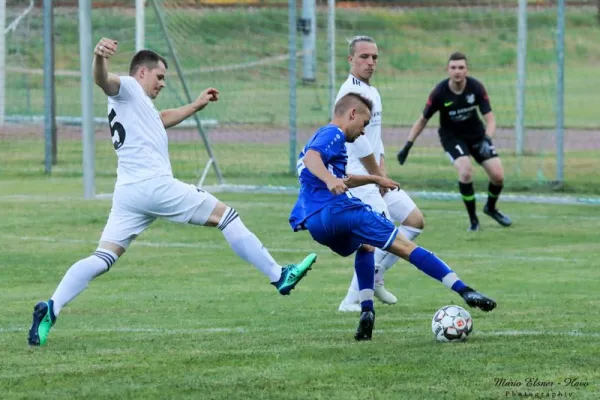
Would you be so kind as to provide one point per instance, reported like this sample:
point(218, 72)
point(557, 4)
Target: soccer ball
point(451, 324)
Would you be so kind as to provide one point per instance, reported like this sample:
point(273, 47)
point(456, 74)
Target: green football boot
point(293, 273)
point(43, 319)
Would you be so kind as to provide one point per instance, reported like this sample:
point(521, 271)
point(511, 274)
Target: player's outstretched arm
point(174, 116)
point(108, 82)
point(313, 161)
point(415, 131)
point(353, 181)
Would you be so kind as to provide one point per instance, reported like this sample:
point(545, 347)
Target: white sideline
point(267, 204)
point(224, 245)
point(240, 330)
point(439, 196)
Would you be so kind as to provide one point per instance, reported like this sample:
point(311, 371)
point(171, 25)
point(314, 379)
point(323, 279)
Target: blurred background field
point(243, 51)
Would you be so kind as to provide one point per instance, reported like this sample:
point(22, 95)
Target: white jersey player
point(146, 189)
point(366, 156)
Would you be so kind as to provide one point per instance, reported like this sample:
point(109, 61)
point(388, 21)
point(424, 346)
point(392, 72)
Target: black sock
point(493, 194)
point(468, 196)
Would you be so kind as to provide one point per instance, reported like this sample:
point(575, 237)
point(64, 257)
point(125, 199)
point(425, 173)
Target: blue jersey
point(329, 141)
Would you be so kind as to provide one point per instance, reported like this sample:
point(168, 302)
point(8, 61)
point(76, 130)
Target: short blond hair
point(351, 100)
point(356, 39)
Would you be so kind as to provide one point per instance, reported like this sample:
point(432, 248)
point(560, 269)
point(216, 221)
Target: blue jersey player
point(345, 224)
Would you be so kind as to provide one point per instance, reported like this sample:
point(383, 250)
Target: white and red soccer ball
point(451, 324)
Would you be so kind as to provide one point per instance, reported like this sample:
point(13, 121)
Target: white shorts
point(396, 205)
point(135, 206)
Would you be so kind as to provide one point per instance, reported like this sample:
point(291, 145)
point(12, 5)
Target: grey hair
point(356, 39)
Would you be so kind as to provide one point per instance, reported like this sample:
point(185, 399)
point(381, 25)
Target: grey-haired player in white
point(146, 189)
point(366, 157)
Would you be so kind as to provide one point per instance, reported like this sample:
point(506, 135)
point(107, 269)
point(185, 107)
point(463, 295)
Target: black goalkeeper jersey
point(458, 112)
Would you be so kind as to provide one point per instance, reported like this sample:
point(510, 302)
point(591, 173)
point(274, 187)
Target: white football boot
point(383, 295)
point(350, 302)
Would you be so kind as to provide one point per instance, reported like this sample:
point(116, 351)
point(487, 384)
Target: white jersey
point(138, 134)
point(371, 141)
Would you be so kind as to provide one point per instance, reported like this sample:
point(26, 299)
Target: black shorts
point(456, 147)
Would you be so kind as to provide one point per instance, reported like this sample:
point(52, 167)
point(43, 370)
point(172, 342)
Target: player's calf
point(431, 265)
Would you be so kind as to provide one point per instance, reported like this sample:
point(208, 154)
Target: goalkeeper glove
point(486, 148)
point(402, 154)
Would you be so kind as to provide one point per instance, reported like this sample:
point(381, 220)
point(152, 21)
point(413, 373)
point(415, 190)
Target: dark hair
point(352, 42)
point(146, 58)
point(457, 56)
point(349, 100)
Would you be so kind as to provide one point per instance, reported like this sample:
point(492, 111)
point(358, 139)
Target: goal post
point(2, 60)
point(212, 162)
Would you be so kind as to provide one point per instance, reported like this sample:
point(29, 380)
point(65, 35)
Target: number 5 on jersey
point(117, 131)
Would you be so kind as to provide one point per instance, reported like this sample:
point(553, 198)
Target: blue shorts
point(347, 224)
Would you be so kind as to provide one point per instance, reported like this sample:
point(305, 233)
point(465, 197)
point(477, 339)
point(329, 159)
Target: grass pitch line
point(240, 330)
point(215, 246)
point(278, 205)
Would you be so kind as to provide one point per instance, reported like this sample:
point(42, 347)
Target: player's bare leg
point(495, 172)
point(249, 248)
point(431, 265)
point(465, 185)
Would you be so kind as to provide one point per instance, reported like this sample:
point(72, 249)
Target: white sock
point(365, 295)
point(352, 294)
point(410, 232)
point(247, 246)
point(79, 275)
point(353, 289)
point(385, 260)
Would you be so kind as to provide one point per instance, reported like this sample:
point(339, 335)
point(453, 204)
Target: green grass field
point(267, 164)
point(179, 316)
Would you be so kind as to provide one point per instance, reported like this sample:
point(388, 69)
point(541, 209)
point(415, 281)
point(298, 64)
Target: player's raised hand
point(336, 186)
point(403, 154)
point(207, 95)
point(106, 48)
point(387, 183)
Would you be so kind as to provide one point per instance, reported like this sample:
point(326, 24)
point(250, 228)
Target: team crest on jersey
point(471, 98)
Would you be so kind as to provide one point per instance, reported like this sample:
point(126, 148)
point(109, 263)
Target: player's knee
point(365, 248)
point(217, 214)
point(415, 219)
point(465, 174)
point(497, 177)
point(464, 168)
point(117, 248)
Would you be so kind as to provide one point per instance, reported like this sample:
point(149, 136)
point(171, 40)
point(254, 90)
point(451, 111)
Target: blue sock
point(428, 262)
point(364, 265)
